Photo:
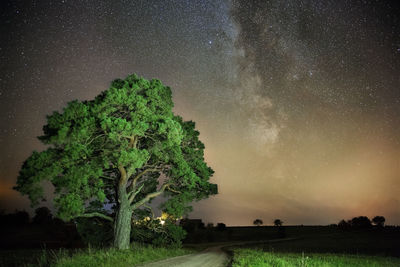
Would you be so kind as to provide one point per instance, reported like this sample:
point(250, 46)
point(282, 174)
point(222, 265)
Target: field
point(258, 258)
point(324, 246)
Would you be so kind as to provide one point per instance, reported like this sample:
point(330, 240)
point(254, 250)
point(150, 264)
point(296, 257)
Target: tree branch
point(124, 178)
point(137, 177)
point(132, 194)
point(97, 214)
point(107, 177)
point(100, 135)
point(173, 190)
point(149, 196)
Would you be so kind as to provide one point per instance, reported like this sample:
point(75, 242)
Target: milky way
point(297, 102)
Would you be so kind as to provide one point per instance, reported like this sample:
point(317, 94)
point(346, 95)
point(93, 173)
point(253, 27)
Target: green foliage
point(88, 257)
point(258, 258)
point(172, 236)
point(111, 257)
point(130, 126)
point(153, 232)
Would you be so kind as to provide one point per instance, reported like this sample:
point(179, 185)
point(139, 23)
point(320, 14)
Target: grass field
point(258, 258)
point(324, 247)
point(88, 257)
point(367, 242)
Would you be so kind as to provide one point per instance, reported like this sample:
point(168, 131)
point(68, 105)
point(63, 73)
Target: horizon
point(298, 105)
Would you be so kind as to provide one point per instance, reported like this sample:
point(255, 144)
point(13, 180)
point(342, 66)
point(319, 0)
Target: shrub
point(95, 231)
point(152, 231)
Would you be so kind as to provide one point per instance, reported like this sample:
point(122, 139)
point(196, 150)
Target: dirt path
point(211, 257)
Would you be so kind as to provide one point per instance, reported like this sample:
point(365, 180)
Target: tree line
point(42, 216)
point(362, 222)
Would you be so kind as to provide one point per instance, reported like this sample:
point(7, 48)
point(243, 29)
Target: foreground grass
point(379, 243)
point(113, 257)
point(258, 258)
point(89, 257)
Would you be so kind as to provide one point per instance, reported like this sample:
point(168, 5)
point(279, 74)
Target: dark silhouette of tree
point(221, 226)
point(281, 230)
point(278, 222)
point(125, 147)
point(360, 222)
point(379, 221)
point(42, 216)
point(344, 225)
point(191, 225)
point(257, 222)
point(17, 218)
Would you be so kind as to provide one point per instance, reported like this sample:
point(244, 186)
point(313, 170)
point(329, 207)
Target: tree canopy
point(125, 147)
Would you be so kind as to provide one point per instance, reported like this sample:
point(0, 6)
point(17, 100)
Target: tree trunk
point(123, 220)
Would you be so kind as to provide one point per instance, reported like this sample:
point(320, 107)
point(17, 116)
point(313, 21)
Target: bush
point(95, 231)
point(172, 236)
point(153, 232)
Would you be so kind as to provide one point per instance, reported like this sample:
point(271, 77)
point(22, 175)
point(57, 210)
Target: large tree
point(125, 147)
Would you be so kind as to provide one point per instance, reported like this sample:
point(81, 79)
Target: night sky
point(297, 102)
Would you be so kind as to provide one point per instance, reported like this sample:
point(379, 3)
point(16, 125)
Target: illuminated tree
point(125, 147)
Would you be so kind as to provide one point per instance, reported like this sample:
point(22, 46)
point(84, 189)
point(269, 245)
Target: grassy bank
point(88, 257)
point(258, 258)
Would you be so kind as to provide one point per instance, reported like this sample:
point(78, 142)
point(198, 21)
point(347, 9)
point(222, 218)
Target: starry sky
point(297, 102)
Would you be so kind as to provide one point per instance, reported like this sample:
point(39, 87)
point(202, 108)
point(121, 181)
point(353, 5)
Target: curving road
point(211, 257)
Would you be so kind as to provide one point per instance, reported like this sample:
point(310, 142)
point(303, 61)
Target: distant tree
point(42, 216)
point(221, 226)
point(202, 225)
point(17, 218)
point(379, 221)
point(278, 222)
point(344, 225)
point(281, 230)
point(360, 222)
point(191, 225)
point(124, 148)
point(210, 225)
point(257, 222)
